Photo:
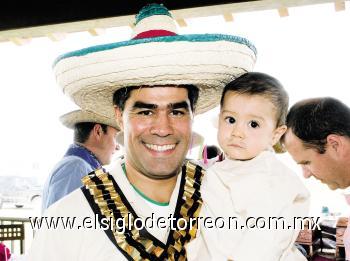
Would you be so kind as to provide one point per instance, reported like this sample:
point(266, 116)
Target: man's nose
point(162, 125)
point(306, 172)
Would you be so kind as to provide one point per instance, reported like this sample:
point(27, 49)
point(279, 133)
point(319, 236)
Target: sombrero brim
point(90, 76)
point(72, 118)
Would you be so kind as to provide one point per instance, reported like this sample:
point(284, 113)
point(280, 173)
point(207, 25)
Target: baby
point(251, 122)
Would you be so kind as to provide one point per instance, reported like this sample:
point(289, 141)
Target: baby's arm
point(280, 196)
point(270, 243)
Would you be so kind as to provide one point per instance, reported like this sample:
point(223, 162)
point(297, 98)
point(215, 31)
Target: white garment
point(67, 244)
point(261, 187)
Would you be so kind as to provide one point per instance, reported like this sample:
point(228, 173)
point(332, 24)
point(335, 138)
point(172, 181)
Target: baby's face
point(247, 125)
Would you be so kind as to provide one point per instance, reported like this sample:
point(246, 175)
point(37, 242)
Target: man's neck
point(155, 189)
point(345, 162)
point(91, 148)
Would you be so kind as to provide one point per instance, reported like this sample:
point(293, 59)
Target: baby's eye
point(230, 120)
point(254, 124)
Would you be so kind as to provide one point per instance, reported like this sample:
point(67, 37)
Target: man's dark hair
point(120, 96)
point(312, 120)
point(255, 83)
point(82, 130)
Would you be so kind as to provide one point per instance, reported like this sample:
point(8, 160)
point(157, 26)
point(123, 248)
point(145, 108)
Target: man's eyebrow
point(179, 105)
point(143, 105)
point(172, 106)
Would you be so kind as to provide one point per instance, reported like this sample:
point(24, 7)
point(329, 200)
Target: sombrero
point(70, 119)
point(156, 55)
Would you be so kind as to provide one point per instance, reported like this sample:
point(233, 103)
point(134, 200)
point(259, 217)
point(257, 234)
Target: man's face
point(108, 145)
point(323, 167)
point(157, 126)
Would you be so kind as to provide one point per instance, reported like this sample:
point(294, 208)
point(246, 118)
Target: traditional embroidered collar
point(108, 201)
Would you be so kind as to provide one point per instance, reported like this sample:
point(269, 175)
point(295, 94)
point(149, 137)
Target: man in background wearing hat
point(93, 147)
point(318, 139)
point(154, 81)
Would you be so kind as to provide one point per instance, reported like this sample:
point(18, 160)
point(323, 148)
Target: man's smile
point(160, 148)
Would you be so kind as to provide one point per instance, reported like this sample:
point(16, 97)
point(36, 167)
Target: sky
point(308, 51)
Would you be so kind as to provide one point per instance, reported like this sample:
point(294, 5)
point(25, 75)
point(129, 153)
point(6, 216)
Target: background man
point(318, 139)
point(93, 147)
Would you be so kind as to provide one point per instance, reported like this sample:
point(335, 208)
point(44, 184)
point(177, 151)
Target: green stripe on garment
point(162, 204)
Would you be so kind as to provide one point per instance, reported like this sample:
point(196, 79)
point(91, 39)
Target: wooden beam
point(283, 11)
point(181, 22)
point(339, 5)
point(79, 26)
point(56, 37)
point(20, 41)
point(96, 31)
point(228, 17)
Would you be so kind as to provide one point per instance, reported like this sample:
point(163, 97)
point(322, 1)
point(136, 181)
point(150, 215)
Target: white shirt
point(85, 245)
point(261, 187)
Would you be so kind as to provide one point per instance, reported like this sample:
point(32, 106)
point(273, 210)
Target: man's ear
point(278, 132)
point(335, 143)
point(119, 117)
point(97, 131)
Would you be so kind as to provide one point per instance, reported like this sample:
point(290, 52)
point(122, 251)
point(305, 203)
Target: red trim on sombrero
point(154, 33)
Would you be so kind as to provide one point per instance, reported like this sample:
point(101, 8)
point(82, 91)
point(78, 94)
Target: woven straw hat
point(70, 119)
point(155, 56)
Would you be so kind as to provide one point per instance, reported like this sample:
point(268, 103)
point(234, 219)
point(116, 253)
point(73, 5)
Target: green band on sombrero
point(177, 38)
point(150, 10)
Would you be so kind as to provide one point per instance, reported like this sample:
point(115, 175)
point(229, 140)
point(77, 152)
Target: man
point(154, 81)
point(94, 144)
point(318, 139)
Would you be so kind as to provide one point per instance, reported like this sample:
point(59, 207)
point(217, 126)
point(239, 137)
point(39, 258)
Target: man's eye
point(145, 113)
point(230, 120)
point(177, 113)
point(254, 124)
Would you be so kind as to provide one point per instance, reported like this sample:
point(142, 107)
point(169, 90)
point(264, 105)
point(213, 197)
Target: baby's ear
point(278, 132)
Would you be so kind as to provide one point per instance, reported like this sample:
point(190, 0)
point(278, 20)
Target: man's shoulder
point(73, 160)
point(71, 164)
point(68, 205)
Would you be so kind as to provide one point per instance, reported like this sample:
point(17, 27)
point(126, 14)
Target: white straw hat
point(156, 56)
point(70, 119)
